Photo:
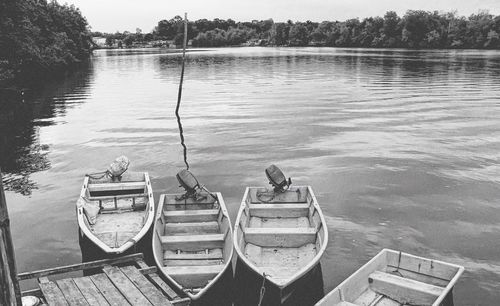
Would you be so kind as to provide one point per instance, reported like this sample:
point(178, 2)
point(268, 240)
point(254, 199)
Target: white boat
point(280, 236)
point(115, 214)
point(192, 241)
point(394, 278)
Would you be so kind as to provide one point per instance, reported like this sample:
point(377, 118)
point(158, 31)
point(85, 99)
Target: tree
point(416, 26)
point(128, 41)
point(299, 35)
point(110, 41)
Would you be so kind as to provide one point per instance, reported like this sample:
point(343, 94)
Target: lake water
point(400, 147)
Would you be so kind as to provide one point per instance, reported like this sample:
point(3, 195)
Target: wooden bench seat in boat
point(193, 242)
point(189, 228)
point(401, 289)
point(96, 187)
point(207, 257)
point(280, 237)
point(279, 222)
point(198, 215)
point(279, 210)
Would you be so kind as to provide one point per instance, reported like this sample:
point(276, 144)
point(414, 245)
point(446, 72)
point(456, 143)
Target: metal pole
point(10, 293)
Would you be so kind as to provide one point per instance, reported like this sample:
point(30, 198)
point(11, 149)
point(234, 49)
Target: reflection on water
point(21, 117)
point(401, 147)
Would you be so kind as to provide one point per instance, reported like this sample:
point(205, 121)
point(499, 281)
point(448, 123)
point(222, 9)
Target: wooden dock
point(122, 281)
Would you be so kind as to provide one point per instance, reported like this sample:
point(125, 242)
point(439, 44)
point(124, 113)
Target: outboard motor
point(277, 179)
point(193, 188)
point(115, 170)
point(118, 167)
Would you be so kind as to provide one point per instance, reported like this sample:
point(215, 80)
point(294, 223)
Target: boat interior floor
point(265, 242)
point(116, 229)
point(193, 246)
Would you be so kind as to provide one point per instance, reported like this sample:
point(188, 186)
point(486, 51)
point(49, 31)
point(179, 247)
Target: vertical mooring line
point(179, 95)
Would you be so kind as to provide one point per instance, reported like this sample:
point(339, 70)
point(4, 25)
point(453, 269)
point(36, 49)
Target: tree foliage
point(416, 29)
point(39, 37)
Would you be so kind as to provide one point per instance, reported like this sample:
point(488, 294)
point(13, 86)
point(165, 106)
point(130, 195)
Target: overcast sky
point(121, 15)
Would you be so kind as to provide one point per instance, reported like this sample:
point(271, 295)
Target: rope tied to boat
point(262, 289)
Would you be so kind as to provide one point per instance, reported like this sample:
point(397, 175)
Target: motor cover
point(187, 180)
point(277, 178)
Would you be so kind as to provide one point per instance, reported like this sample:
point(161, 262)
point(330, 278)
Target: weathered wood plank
point(294, 195)
point(116, 186)
point(52, 293)
point(90, 291)
point(199, 215)
point(126, 287)
point(82, 266)
point(149, 290)
point(191, 228)
point(160, 284)
point(181, 302)
point(213, 254)
point(118, 196)
point(421, 265)
point(170, 199)
point(280, 237)
point(71, 292)
point(108, 290)
point(403, 290)
point(279, 210)
point(193, 242)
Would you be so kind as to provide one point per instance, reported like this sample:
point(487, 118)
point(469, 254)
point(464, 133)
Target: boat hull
point(282, 235)
point(307, 290)
point(192, 246)
point(397, 279)
point(119, 230)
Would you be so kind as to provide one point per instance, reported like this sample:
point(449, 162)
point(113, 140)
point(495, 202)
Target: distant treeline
point(38, 38)
point(416, 29)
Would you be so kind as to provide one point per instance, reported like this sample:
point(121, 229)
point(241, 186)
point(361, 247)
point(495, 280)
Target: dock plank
point(108, 290)
point(90, 291)
point(71, 292)
point(52, 293)
point(126, 287)
point(154, 295)
point(159, 282)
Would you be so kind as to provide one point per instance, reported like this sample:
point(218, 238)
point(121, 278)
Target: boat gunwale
point(131, 242)
point(304, 269)
point(161, 266)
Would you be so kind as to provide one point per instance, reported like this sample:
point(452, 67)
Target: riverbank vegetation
point(416, 29)
point(40, 38)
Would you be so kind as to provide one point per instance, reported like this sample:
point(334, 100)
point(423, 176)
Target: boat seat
point(403, 290)
point(279, 210)
point(192, 242)
point(280, 237)
point(195, 215)
point(188, 228)
point(107, 187)
point(211, 254)
point(193, 276)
